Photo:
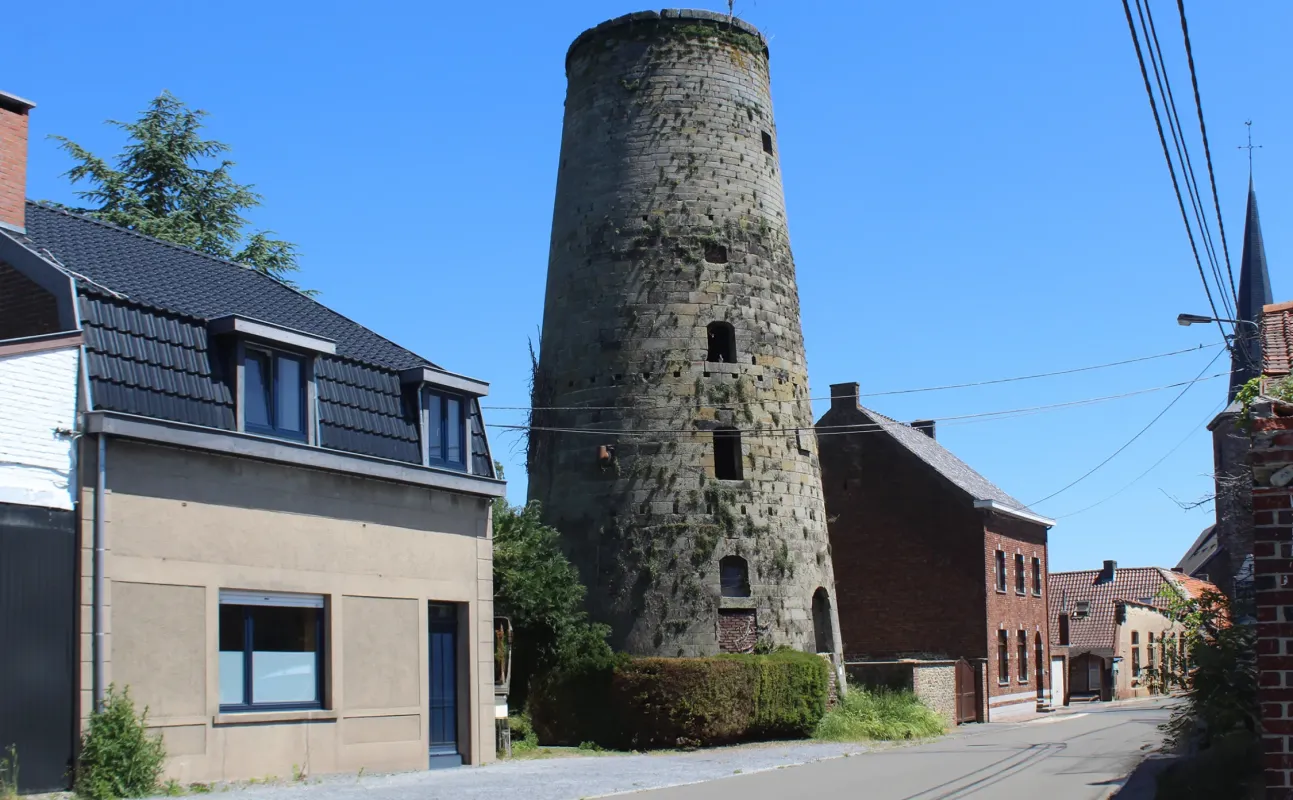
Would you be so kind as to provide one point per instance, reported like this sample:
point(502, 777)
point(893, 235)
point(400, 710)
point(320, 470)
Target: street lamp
point(1192, 319)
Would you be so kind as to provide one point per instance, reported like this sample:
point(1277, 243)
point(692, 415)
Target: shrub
point(9, 774)
point(1228, 770)
point(540, 591)
point(524, 738)
point(118, 756)
point(643, 703)
point(879, 714)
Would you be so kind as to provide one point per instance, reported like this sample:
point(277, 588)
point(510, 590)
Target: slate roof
point(145, 305)
point(928, 450)
point(1201, 552)
point(1133, 584)
point(1254, 294)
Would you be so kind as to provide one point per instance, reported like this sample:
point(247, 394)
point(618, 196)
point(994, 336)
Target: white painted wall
point(37, 399)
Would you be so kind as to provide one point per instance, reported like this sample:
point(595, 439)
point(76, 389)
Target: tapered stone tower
point(672, 442)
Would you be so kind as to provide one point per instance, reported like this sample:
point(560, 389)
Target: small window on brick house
point(727, 454)
point(722, 343)
point(1082, 609)
point(1135, 656)
point(1003, 657)
point(1037, 576)
point(1001, 571)
point(1023, 656)
point(734, 575)
point(1064, 630)
point(1020, 577)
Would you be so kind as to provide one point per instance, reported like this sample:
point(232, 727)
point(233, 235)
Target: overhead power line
point(1193, 430)
point(1070, 371)
point(1130, 441)
point(1182, 150)
point(1167, 155)
point(1207, 151)
point(828, 430)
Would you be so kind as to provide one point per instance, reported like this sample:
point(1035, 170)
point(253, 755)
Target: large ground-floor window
point(271, 651)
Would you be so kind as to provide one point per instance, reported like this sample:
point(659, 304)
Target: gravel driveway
point(558, 778)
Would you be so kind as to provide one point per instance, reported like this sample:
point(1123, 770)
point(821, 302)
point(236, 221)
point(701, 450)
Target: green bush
point(879, 714)
point(118, 756)
point(1231, 769)
point(643, 703)
point(540, 591)
point(524, 738)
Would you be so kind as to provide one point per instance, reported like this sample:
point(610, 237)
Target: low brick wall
point(934, 682)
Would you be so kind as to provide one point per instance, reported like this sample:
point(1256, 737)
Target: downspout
point(100, 521)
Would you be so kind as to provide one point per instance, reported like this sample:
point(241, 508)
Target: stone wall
point(935, 683)
point(669, 216)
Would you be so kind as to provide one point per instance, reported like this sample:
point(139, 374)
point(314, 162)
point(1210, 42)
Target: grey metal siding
point(38, 640)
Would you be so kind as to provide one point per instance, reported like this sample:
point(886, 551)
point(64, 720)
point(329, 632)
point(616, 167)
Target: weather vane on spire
point(1250, 147)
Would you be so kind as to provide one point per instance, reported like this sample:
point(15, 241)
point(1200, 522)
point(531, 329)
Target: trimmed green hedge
point(644, 703)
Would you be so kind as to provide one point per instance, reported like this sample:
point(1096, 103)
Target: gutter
point(100, 521)
point(1027, 516)
point(283, 451)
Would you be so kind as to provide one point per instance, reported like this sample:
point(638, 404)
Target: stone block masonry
point(1271, 429)
point(671, 313)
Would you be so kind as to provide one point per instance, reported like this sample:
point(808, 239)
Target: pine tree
point(172, 184)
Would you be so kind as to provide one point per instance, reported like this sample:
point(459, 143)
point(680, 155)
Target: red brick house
point(906, 515)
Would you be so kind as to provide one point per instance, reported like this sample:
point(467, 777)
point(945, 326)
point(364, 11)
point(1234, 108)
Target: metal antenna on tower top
point(1250, 147)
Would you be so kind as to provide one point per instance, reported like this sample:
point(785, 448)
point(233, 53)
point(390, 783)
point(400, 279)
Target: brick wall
point(738, 630)
point(1014, 612)
point(907, 548)
point(1272, 458)
point(25, 308)
point(13, 162)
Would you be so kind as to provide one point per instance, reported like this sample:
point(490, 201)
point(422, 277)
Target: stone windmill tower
point(672, 442)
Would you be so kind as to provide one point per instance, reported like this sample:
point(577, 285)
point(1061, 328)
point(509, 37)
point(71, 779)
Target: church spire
point(1254, 292)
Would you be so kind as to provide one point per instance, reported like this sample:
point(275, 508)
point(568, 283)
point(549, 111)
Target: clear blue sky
point(975, 190)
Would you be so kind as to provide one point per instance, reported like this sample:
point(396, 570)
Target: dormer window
point(445, 403)
point(446, 429)
point(275, 375)
point(274, 392)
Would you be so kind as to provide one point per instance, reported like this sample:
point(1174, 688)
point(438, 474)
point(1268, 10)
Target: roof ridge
point(117, 228)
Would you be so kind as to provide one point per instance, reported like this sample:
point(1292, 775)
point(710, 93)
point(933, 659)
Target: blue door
point(443, 639)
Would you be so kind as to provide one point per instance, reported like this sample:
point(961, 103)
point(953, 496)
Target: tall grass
point(878, 714)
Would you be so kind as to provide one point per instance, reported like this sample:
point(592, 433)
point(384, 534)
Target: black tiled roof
point(145, 306)
point(172, 278)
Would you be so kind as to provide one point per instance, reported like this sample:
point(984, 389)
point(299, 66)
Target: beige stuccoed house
point(283, 518)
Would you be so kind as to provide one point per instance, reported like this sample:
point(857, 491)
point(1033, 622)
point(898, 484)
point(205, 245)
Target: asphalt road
point(1077, 756)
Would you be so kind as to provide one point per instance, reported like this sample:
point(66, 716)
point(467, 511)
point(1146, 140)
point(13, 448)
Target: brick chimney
point(845, 396)
point(1109, 572)
point(925, 426)
point(13, 161)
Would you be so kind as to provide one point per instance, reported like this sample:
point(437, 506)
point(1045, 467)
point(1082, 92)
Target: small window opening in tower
point(727, 454)
point(722, 343)
point(734, 575)
point(715, 253)
point(767, 142)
